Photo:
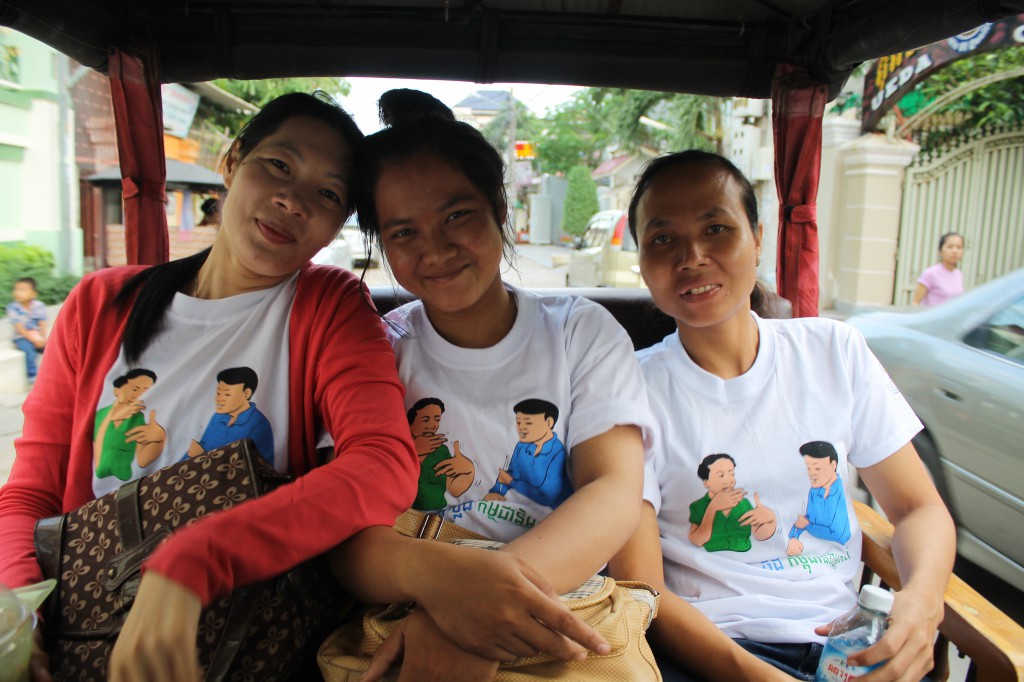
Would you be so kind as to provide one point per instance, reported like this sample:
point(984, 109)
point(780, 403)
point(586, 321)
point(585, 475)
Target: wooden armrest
point(993, 641)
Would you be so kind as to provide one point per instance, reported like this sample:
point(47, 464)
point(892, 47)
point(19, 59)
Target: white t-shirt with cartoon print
point(749, 475)
point(498, 424)
point(171, 403)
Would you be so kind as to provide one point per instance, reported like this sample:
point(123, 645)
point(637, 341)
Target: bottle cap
point(875, 598)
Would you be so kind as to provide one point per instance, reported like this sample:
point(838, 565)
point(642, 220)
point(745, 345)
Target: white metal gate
point(976, 189)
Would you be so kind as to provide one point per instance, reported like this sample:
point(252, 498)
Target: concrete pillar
point(868, 219)
point(835, 131)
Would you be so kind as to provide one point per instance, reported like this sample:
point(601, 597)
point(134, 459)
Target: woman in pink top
point(944, 280)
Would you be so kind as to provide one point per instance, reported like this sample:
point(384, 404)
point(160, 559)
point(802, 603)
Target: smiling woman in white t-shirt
point(535, 437)
point(746, 508)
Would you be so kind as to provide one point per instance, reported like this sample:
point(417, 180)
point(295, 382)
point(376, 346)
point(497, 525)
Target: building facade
point(38, 189)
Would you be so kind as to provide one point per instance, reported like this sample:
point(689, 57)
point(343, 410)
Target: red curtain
point(138, 114)
point(798, 103)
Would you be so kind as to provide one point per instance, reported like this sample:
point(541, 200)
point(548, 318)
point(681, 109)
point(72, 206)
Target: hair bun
point(403, 105)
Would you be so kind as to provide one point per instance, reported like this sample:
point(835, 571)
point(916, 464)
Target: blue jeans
point(26, 347)
point(797, 660)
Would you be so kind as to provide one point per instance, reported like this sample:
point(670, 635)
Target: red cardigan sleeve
point(342, 375)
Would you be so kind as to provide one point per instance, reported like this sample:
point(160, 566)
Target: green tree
point(258, 93)
point(662, 120)
point(37, 263)
point(572, 134)
point(577, 131)
point(580, 200)
point(1000, 104)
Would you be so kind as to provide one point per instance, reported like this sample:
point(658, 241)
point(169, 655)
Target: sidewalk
point(10, 428)
point(10, 403)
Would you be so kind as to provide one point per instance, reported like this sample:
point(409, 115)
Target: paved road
point(10, 428)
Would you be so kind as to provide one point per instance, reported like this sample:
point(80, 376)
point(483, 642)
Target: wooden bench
point(993, 642)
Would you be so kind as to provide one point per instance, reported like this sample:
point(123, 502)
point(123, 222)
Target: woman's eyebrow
point(394, 222)
point(297, 153)
point(290, 148)
point(713, 212)
point(452, 201)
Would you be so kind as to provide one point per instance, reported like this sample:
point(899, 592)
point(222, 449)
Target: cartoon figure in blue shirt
point(236, 416)
point(536, 468)
point(826, 516)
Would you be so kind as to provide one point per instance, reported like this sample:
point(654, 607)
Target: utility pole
point(510, 179)
point(512, 115)
point(66, 262)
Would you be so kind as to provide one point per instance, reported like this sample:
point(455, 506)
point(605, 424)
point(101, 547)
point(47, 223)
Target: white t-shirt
point(814, 387)
point(564, 353)
point(246, 335)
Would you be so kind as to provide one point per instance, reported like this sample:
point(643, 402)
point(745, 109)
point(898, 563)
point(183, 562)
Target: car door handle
point(948, 395)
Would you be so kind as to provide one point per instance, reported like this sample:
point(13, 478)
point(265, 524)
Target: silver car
point(960, 365)
point(337, 253)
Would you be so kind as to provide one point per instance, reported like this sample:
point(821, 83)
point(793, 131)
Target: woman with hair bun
point(529, 412)
point(944, 280)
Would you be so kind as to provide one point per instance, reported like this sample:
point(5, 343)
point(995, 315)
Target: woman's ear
point(758, 235)
point(230, 163)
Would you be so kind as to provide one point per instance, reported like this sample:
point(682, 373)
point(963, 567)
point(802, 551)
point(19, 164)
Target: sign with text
point(892, 77)
point(180, 105)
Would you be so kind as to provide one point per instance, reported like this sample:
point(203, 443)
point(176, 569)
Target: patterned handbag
point(620, 611)
point(263, 632)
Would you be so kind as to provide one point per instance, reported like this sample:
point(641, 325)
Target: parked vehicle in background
point(336, 253)
point(361, 254)
point(960, 365)
point(605, 256)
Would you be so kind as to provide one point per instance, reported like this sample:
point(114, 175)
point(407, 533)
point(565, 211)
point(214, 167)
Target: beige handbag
point(620, 611)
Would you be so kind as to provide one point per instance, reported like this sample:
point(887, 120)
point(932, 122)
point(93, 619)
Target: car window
point(597, 235)
point(1003, 333)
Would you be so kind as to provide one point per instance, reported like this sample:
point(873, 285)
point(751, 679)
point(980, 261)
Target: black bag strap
point(49, 542)
point(243, 610)
point(129, 525)
point(243, 600)
point(49, 539)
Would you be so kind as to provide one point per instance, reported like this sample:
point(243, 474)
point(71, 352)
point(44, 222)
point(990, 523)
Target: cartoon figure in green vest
point(121, 433)
point(440, 470)
point(723, 519)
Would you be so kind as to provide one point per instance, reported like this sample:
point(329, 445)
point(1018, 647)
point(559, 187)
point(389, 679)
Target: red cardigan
point(342, 375)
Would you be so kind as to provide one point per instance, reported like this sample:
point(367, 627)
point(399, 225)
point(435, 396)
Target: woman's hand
point(39, 663)
point(158, 640)
point(427, 655)
point(906, 646)
point(496, 606)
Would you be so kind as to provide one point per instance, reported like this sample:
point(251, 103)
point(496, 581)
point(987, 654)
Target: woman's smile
point(275, 234)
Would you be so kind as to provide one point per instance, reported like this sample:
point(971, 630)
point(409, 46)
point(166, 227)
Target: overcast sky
point(362, 100)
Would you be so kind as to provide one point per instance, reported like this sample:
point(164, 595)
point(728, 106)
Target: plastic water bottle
point(855, 631)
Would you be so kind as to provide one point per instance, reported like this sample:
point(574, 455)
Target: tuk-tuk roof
point(701, 46)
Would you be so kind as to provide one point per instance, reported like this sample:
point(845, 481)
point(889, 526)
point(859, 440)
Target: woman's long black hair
point(151, 291)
